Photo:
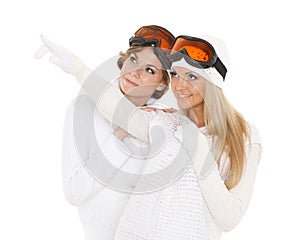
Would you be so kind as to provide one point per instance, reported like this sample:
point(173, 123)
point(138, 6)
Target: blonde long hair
point(229, 131)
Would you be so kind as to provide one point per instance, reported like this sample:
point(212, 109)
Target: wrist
point(82, 74)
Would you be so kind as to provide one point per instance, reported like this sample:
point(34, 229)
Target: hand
point(120, 133)
point(61, 57)
point(167, 110)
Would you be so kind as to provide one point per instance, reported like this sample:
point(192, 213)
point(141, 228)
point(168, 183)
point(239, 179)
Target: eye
point(150, 70)
point(173, 74)
point(191, 77)
point(133, 59)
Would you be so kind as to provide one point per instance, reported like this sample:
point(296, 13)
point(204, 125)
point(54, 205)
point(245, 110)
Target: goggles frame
point(137, 41)
point(154, 36)
point(179, 51)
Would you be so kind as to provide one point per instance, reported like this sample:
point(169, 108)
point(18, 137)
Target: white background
point(263, 80)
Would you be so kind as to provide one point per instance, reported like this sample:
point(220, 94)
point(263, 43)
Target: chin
point(125, 88)
point(183, 106)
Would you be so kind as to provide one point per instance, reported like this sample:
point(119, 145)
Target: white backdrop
point(263, 39)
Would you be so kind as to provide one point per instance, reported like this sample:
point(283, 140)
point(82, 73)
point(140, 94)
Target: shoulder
point(169, 122)
point(255, 137)
point(81, 102)
point(83, 110)
point(168, 118)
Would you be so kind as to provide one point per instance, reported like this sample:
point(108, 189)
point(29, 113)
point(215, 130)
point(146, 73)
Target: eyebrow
point(150, 65)
point(134, 55)
point(191, 72)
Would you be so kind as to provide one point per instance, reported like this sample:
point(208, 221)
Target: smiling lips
point(184, 96)
point(130, 82)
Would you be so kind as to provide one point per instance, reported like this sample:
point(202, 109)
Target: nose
point(179, 84)
point(136, 73)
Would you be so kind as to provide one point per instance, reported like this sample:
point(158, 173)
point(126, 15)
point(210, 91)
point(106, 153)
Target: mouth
point(130, 82)
point(184, 96)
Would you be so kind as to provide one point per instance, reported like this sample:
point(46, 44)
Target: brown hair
point(165, 79)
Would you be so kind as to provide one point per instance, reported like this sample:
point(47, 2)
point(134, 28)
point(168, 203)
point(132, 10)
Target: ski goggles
point(154, 36)
point(197, 52)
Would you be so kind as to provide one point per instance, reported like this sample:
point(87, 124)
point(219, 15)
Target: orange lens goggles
point(154, 36)
point(197, 52)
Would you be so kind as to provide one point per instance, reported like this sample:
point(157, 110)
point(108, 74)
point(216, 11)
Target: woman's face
point(141, 74)
point(188, 87)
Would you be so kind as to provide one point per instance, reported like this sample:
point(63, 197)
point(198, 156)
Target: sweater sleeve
point(78, 184)
point(227, 207)
point(112, 104)
point(121, 112)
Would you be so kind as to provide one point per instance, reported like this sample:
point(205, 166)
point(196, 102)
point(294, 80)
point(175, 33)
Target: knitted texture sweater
point(189, 207)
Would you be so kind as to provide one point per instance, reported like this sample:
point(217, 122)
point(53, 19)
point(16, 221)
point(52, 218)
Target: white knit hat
point(210, 74)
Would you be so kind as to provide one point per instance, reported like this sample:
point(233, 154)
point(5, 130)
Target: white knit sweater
point(226, 207)
point(178, 211)
point(190, 208)
point(100, 207)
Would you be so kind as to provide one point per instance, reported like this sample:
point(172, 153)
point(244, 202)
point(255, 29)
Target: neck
point(137, 101)
point(196, 115)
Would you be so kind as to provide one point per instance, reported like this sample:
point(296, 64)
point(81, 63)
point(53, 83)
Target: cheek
point(127, 67)
point(151, 79)
point(122, 85)
point(198, 89)
point(173, 83)
point(200, 98)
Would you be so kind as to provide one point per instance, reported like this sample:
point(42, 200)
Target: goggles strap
point(220, 67)
point(162, 58)
point(136, 41)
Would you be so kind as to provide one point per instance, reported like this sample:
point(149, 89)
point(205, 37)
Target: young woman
point(224, 179)
point(100, 201)
point(198, 71)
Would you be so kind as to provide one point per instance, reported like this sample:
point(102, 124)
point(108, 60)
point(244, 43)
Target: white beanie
point(210, 74)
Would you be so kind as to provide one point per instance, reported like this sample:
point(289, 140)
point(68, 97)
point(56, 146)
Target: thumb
point(56, 60)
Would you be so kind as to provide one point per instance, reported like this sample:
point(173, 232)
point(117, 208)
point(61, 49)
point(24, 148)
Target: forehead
point(147, 56)
point(184, 71)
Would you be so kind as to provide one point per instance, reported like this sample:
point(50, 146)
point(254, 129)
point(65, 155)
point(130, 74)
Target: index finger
point(53, 47)
point(149, 109)
point(41, 52)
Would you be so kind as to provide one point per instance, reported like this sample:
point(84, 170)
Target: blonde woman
point(198, 71)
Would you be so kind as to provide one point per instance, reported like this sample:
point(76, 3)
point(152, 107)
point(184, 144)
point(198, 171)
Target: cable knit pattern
point(175, 212)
